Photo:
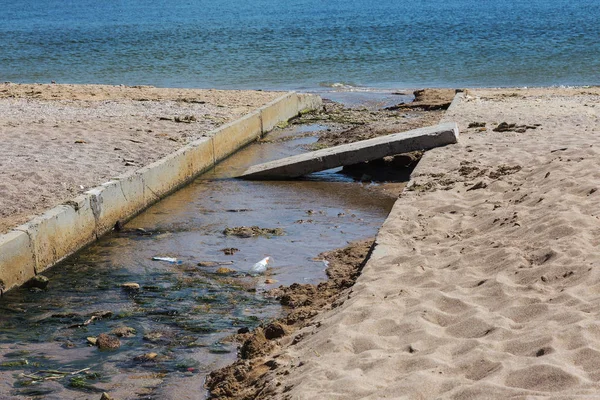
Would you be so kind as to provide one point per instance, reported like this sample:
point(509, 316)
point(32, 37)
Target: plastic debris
point(167, 259)
point(261, 266)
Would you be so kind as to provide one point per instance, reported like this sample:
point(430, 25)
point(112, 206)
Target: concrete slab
point(353, 153)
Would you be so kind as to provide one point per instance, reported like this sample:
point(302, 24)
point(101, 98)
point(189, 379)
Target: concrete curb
point(458, 98)
point(382, 248)
point(59, 232)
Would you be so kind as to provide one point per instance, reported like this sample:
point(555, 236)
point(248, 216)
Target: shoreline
point(318, 88)
point(483, 278)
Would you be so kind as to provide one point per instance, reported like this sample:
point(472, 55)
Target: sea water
point(301, 44)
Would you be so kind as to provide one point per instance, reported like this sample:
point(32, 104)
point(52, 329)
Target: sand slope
point(57, 141)
point(485, 283)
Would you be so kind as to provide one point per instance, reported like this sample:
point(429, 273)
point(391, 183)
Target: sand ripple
point(485, 282)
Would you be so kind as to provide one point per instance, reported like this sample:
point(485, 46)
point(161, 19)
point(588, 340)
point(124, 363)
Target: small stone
point(504, 127)
point(153, 336)
point(476, 125)
point(107, 342)
point(105, 396)
point(230, 251)
point(274, 331)
point(102, 314)
point(131, 286)
point(208, 264)
point(38, 281)
point(270, 281)
point(224, 271)
point(92, 340)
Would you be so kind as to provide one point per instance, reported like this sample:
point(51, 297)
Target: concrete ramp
point(354, 153)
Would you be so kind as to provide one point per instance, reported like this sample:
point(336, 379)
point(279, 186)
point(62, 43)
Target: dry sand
point(57, 141)
point(485, 281)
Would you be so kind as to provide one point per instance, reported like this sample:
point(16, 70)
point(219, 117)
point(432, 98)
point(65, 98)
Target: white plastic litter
point(167, 259)
point(261, 266)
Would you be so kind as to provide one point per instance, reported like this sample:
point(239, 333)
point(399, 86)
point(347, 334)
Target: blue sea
point(301, 44)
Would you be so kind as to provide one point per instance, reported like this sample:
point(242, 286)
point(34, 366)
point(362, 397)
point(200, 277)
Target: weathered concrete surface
point(17, 262)
point(62, 230)
point(353, 153)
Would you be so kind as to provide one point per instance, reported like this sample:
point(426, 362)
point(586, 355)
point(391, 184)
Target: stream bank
point(261, 353)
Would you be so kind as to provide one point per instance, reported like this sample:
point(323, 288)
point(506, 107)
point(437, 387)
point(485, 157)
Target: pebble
point(124, 331)
point(107, 342)
point(146, 357)
point(131, 286)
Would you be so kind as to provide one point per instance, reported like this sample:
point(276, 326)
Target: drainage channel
point(172, 330)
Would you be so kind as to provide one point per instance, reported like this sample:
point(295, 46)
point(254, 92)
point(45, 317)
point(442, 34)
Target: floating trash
point(171, 260)
point(261, 266)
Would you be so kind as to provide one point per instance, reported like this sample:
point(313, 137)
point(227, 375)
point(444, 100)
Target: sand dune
point(485, 282)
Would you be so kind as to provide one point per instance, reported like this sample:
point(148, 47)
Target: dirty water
point(366, 98)
point(184, 310)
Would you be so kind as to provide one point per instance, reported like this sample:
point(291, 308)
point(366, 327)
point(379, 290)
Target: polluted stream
point(173, 330)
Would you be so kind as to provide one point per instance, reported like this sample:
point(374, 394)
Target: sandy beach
point(58, 141)
point(483, 283)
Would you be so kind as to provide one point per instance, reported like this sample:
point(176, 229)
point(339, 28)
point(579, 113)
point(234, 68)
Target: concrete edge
point(59, 232)
point(458, 98)
point(383, 243)
point(446, 119)
point(351, 153)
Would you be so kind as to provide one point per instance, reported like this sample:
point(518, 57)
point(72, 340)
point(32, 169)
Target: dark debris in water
point(251, 231)
point(229, 251)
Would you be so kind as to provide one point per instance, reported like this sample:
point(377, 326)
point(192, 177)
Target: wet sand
point(58, 141)
point(483, 282)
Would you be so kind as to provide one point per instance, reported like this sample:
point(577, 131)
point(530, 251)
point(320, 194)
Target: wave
point(339, 85)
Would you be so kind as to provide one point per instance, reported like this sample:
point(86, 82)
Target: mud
point(351, 124)
point(250, 231)
point(428, 100)
point(248, 377)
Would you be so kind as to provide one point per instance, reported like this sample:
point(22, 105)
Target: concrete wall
point(47, 239)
